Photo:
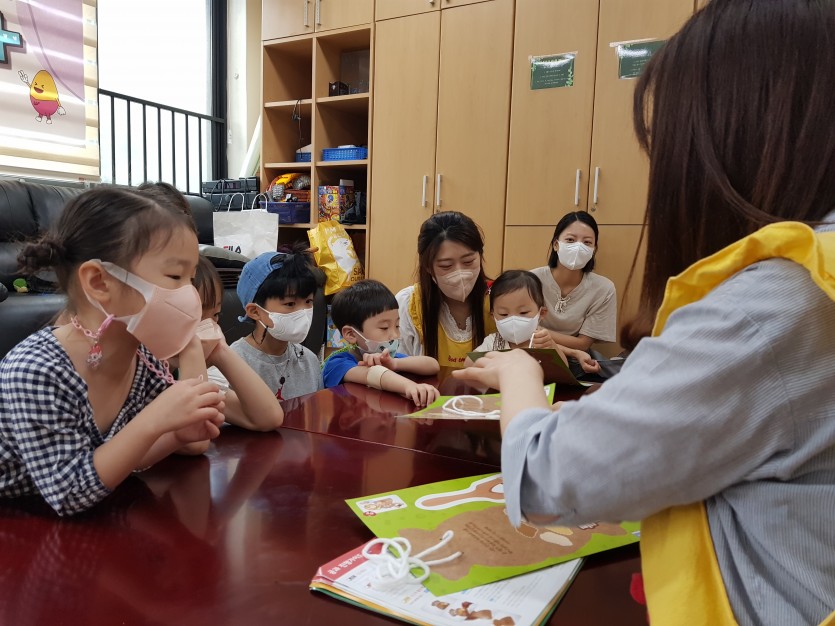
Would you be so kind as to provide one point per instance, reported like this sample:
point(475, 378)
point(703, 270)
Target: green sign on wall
point(552, 71)
point(633, 56)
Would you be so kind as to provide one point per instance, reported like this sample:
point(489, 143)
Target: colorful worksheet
point(491, 548)
point(526, 600)
point(485, 406)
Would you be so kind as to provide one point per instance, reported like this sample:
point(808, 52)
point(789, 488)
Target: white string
point(451, 406)
point(394, 562)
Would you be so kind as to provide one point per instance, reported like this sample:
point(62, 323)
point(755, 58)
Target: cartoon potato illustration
point(43, 94)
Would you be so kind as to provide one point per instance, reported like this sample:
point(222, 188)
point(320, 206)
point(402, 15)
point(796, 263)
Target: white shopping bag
point(249, 233)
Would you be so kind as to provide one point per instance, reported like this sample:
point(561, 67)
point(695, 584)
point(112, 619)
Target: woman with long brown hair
point(719, 432)
point(446, 314)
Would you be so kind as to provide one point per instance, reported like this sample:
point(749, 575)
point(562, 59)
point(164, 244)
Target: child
point(276, 290)
point(84, 404)
point(367, 316)
point(517, 304)
point(252, 404)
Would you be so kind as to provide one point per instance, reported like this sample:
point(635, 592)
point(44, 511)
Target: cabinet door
point(550, 127)
point(446, 4)
point(623, 168)
point(403, 143)
point(329, 14)
point(283, 18)
point(387, 9)
point(473, 116)
point(526, 247)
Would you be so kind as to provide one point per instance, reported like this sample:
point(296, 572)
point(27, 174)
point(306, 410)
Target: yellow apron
point(682, 581)
point(450, 353)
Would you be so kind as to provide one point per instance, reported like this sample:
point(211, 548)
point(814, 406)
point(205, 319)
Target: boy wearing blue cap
point(276, 290)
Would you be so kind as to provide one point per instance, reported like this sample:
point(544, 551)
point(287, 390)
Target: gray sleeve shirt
point(733, 404)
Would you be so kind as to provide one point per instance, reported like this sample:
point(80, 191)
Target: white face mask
point(290, 327)
point(457, 285)
point(378, 347)
point(574, 255)
point(517, 329)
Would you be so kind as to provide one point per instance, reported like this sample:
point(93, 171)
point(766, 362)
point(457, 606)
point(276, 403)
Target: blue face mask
point(378, 347)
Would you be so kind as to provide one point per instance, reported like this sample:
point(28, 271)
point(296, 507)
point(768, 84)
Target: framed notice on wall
point(48, 80)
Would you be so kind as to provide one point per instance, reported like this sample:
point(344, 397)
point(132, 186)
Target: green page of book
point(553, 367)
point(481, 403)
point(474, 509)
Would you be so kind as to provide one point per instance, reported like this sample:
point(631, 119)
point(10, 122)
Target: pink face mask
point(169, 318)
point(458, 284)
point(209, 334)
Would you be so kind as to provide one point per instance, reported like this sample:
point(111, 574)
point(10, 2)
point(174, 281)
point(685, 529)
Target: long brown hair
point(735, 115)
point(452, 226)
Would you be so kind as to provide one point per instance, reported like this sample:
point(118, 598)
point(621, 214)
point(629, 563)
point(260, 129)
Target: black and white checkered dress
point(47, 431)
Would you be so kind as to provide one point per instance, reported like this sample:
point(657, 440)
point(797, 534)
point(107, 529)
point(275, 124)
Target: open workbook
point(525, 600)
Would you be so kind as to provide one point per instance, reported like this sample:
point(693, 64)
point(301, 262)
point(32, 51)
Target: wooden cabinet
point(387, 9)
point(298, 111)
point(619, 170)
point(454, 63)
point(285, 18)
point(573, 147)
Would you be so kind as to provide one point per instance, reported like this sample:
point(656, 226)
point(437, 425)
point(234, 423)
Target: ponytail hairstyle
point(107, 223)
point(457, 227)
point(735, 126)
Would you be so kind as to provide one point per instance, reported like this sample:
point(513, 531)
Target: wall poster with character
point(48, 80)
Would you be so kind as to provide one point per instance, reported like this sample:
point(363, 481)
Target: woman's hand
point(497, 368)
point(589, 365)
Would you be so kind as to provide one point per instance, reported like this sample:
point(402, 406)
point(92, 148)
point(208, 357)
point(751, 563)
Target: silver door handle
point(596, 183)
point(318, 12)
point(577, 189)
point(438, 191)
point(423, 194)
point(306, 20)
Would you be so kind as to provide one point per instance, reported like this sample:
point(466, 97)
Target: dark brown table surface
point(235, 536)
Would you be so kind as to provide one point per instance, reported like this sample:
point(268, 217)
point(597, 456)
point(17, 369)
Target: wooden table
point(234, 537)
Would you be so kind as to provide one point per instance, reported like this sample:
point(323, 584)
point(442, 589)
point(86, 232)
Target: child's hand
point(421, 393)
point(379, 358)
point(542, 339)
point(589, 365)
point(215, 352)
point(187, 403)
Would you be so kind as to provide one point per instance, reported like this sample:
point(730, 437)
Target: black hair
point(567, 220)
point(362, 300)
point(164, 192)
point(514, 280)
point(208, 283)
point(732, 124)
point(106, 223)
point(295, 278)
point(440, 227)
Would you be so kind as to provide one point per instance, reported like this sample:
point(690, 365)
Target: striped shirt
point(733, 404)
point(47, 431)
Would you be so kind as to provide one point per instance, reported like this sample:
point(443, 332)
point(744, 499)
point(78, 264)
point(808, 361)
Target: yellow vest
point(682, 580)
point(450, 353)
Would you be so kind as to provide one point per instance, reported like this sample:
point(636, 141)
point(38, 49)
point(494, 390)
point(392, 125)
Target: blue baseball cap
point(254, 274)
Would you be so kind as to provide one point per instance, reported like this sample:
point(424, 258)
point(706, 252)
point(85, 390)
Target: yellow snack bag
point(335, 255)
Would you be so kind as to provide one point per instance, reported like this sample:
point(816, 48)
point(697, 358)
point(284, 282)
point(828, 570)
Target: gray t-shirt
point(294, 373)
point(733, 404)
point(590, 309)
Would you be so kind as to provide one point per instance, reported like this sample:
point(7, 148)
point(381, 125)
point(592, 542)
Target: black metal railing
point(170, 144)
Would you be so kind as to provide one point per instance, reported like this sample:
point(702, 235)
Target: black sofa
point(28, 209)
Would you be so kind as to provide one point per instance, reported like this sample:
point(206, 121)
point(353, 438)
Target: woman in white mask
point(446, 314)
point(582, 306)
point(518, 307)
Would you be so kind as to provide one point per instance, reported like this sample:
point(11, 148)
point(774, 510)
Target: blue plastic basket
point(289, 212)
point(344, 154)
point(302, 157)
